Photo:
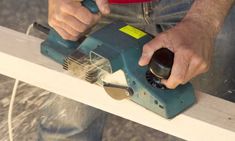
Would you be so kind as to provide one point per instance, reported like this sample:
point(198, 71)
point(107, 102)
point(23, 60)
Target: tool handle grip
point(91, 6)
point(161, 63)
point(54, 36)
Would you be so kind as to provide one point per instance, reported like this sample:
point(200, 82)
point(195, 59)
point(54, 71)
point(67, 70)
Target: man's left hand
point(192, 44)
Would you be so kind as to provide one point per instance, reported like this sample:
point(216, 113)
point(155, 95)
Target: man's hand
point(192, 44)
point(70, 19)
point(191, 40)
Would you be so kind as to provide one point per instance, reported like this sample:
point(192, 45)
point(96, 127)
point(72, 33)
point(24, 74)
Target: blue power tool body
point(118, 46)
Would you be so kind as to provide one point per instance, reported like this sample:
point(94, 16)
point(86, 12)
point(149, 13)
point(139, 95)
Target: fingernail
point(141, 62)
point(144, 59)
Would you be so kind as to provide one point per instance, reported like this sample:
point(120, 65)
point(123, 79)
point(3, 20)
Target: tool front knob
point(161, 63)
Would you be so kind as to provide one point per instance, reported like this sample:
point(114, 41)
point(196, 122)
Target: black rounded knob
point(161, 63)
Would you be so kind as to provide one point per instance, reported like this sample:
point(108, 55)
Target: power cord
point(29, 29)
point(13, 95)
point(10, 111)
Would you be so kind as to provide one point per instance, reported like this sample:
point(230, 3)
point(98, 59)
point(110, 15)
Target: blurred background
point(18, 15)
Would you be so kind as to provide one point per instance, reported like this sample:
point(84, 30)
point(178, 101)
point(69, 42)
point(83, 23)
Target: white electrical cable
point(29, 29)
point(13, 95)
point(10, 129)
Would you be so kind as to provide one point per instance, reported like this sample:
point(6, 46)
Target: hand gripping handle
point(92, 7)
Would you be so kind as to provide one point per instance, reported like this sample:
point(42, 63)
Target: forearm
point(210, 13)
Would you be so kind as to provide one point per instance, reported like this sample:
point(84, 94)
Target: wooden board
point(210, 119)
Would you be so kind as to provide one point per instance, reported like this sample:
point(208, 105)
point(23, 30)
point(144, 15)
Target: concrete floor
point(219, 81)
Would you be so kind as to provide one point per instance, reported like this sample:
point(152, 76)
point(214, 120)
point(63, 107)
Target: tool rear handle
point(92, 7)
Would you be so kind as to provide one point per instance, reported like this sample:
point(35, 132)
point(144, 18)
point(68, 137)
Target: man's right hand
point(70, 19)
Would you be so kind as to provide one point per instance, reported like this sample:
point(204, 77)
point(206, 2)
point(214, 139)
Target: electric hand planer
point(109, 58)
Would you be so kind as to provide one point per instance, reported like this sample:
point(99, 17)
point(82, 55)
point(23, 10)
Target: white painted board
point(210, 118)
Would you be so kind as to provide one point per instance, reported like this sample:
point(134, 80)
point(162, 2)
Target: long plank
point(210, 118)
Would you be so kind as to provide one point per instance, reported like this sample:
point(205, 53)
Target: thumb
point(150, 48)
point(103, 6)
